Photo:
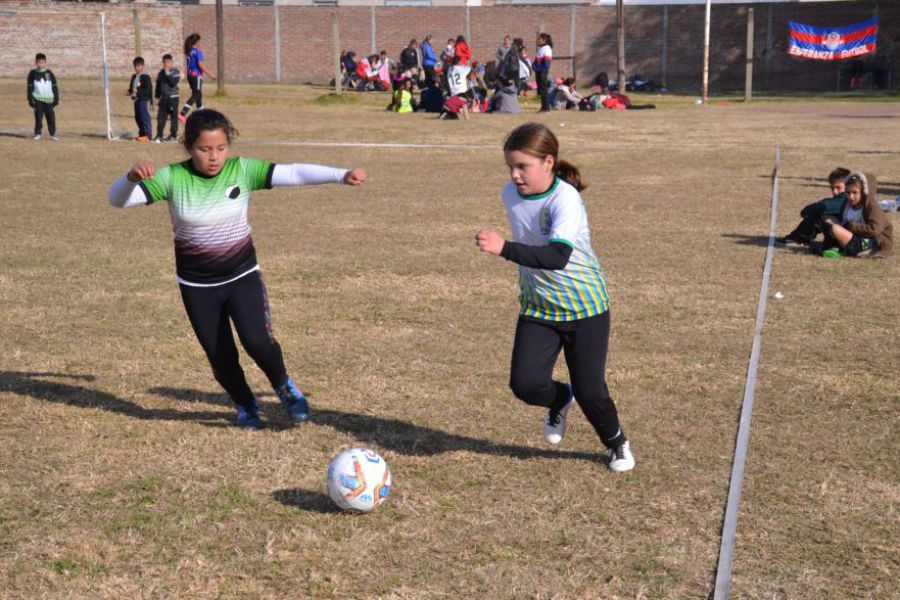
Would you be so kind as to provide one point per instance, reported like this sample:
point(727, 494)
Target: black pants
point(543, 89)
point(244, 302)
point(42, 109)
point(808, 229)
point(168, 108)
point(429, 75)
point(585, 341)
point(196, 98)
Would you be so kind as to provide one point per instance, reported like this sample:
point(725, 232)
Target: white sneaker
point(54, 138)
point(620, 458)
point(37, 137)
point(555, 425)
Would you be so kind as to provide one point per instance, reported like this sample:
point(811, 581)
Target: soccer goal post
point(110, 135)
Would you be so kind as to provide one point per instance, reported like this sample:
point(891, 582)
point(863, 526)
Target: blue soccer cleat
point(248, 416)
point(294, 401)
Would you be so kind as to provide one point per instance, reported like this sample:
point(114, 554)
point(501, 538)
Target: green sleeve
point(258, 173)
point(158, 187)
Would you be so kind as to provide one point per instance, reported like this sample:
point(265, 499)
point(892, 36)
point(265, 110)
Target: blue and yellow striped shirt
point(577, 291)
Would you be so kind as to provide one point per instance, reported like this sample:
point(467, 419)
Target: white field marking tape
point(729, 527)
point(371, 145)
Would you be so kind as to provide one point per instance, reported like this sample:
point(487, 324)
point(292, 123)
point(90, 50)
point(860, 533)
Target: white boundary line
point(729, 528)
point(371, 145)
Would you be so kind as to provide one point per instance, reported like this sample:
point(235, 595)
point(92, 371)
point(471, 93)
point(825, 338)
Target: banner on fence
point(838, 43)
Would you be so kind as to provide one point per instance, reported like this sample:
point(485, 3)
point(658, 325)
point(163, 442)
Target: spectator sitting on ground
point(403, 98)
point(349, 78)
point(432, 97)
point(566, 97)
point(505, 99)
point(811, 215)
point(476, 82)
point(861, 229)
point(367, 70)
point(385, 68)
point(453, 106)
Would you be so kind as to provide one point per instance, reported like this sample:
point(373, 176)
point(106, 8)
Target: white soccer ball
point(359, 479)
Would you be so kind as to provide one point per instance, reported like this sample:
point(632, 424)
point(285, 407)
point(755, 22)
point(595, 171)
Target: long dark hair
point(537, 140)
point(548, 41)
point(189, 42)
point(206, 120)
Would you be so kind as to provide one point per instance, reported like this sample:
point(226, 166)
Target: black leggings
point(585, 342)
point(244, 302)
point(196, 98)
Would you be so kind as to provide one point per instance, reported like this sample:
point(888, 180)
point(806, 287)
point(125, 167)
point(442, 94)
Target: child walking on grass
point(563, 291)
point(196, 69)
point(215, 260)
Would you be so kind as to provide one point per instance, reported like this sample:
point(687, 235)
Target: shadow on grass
point(35, 385)
point(748, 240)
point(398, 436)
point(306, 500)
point(274, 418)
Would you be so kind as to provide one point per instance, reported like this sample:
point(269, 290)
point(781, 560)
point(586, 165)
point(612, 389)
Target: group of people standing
point(167, 95)
point(43, 93)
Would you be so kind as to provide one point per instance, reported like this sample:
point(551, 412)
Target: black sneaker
point(790, 240)
point(171, 138)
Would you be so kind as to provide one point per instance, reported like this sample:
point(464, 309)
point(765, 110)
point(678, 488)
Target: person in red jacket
point(462, 50)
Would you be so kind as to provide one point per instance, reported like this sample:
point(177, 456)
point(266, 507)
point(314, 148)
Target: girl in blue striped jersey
point(564, 303)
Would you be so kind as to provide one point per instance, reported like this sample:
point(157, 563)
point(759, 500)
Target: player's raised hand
point(141, 170)
point(355, 177)
point(489, 241)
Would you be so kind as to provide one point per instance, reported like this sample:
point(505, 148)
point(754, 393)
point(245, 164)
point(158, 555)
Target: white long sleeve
point(125, 193)
point(301, 174)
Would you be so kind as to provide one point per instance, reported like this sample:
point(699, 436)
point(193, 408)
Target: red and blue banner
point(833, 43)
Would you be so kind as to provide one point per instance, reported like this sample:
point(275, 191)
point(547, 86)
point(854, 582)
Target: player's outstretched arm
point(304, 174)
point(125, 192)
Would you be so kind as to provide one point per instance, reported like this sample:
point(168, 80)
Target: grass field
point(120, 476)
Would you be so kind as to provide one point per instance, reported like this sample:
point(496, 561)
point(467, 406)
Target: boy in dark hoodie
point(141, 91)
point(167, 99)
point(43, 96)
point(861, 228)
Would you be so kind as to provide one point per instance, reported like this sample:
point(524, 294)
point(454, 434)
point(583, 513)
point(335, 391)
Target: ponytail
point(189, 42)
point(569, 173)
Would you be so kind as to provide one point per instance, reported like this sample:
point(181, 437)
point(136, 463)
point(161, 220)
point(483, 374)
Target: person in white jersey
point(215, 261)
point(563, 297)
point(458, 77)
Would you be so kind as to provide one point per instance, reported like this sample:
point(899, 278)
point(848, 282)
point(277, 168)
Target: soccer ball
point(359, 479)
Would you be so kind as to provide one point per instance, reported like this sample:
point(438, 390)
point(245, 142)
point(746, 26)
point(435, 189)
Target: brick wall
point(69, 35)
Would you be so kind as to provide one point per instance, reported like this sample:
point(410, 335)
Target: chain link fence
point(665, 43)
